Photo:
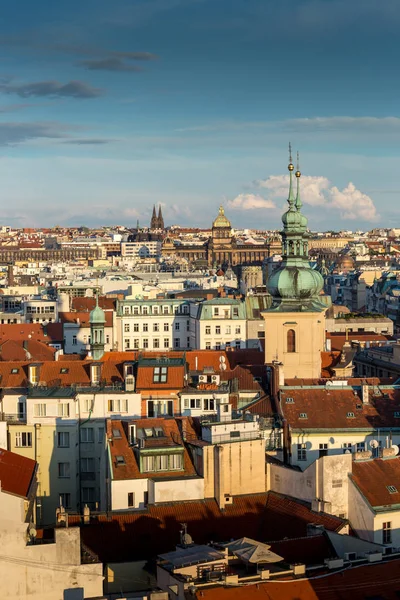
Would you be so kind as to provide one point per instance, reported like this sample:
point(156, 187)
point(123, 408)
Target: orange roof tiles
point(52, 333)
point(145, 378)
point(373, 478)
point(82, 318)
point(88, 304)
point(34, 350)
point(140, 535)
point(375, 582)
point(328, 408)
point(16, 473)
point(120, 447)
point(339, 339)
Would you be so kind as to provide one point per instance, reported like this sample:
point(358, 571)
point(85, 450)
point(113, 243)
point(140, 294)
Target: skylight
point(116, 433)
point(350, 415)
point(289, 400)
point(391, 489)
point(303, 416)
point(120, 460)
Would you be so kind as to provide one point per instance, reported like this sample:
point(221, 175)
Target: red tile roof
point(16, 473)
point(145, 376)
point(246, 377)
point(379, 581)
point(34, 350)
point(50, 334)
point(373, 477)
point(328, 408)
point(141, 535)
point(263, 406)
point(310, 550)
point(88, 304)
point(339, 339)
point(83, 318)
point(120, 447)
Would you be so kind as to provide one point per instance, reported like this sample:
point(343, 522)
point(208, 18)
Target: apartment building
point(158, 325)
point(219, 324)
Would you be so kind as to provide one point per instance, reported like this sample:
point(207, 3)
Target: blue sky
point(109, 107)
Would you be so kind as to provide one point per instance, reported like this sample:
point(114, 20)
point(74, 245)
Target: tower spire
point(299, 203)
point(291, 200)
point(153, 222)
point(160, 218)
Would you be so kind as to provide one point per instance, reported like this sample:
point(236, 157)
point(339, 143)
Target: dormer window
point(64, 370)
point(160, 374)
point(14, 371)
point(303, 416)
point(392, 489)
point(350, 415)
point(145, 310)
point(34, 374)
point(289, 401)
point(95, 373)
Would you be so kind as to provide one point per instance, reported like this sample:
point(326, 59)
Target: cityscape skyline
point(106, 111)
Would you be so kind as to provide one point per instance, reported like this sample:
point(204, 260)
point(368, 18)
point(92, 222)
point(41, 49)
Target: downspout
point(79, 448)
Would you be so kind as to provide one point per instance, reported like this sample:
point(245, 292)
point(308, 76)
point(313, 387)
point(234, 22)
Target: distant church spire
point(160, 219)
point(154, 220)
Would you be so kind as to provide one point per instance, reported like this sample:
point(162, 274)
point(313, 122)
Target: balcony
point(13, 418)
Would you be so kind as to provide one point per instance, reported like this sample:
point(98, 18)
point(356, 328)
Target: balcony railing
point(13, 418)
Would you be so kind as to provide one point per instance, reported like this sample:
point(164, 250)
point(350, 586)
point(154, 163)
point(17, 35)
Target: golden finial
point(298, 174)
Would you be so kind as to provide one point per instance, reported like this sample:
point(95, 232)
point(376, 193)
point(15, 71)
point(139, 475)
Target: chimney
point(328, 344)
point(86, 514)
point(365, 393)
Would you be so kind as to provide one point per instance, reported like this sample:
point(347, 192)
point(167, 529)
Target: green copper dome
point(295, 285)
point(97, 315)
point(221, 220)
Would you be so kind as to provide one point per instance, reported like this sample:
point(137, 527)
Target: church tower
point(160, 219)
point(295, 323)
point(154, 220)
point(97, 321)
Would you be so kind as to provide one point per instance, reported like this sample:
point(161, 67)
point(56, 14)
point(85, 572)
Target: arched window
point(291, 340)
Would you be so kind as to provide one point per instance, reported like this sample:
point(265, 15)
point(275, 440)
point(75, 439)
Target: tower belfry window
point(291, 340)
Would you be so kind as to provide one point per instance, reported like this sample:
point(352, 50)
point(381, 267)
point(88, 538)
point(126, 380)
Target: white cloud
point(249, 202)
point(312, 188)
point(315, 191)
point(352, 203)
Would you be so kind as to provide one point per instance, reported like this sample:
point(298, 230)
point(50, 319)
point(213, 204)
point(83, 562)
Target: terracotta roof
point(52, 333)
point(120, 447)
point(329, 360)
point(88, 304)
point(333, 409)
point(373, 477)
point(17, 350)
point(339, 339)
point(16, 473)
point(83, 318)
point(141, 535)
point(246, 377)
point(379, 581)
point(145, 376)
point(263, 406)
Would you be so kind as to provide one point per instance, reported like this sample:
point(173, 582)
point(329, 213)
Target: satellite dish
point(374, 444)
point(222, 359)
point(223, 367)
point(32, 531)
point(187, 539)
point(396, 449)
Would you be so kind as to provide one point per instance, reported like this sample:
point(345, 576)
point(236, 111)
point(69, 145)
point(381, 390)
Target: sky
point(107, 108)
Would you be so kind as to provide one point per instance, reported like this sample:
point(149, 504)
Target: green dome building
point(295, 322)
point(97, 322)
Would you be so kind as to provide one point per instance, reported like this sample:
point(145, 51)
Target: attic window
point(391, 489)
point(64, 370)
point(289, 401)
point(160, 374)
point(350, 415)
point(14, 371)
point(303, 416)
point(120, 460)
point(117, 433)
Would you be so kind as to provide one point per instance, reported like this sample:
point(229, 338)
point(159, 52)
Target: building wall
point(174, 490)
point(233, 469)
point(361, 516)
point(335, 441)
point(309, 328)
point(121, 489)
point(42, 571)
point(77, 338)
point(326, 480)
